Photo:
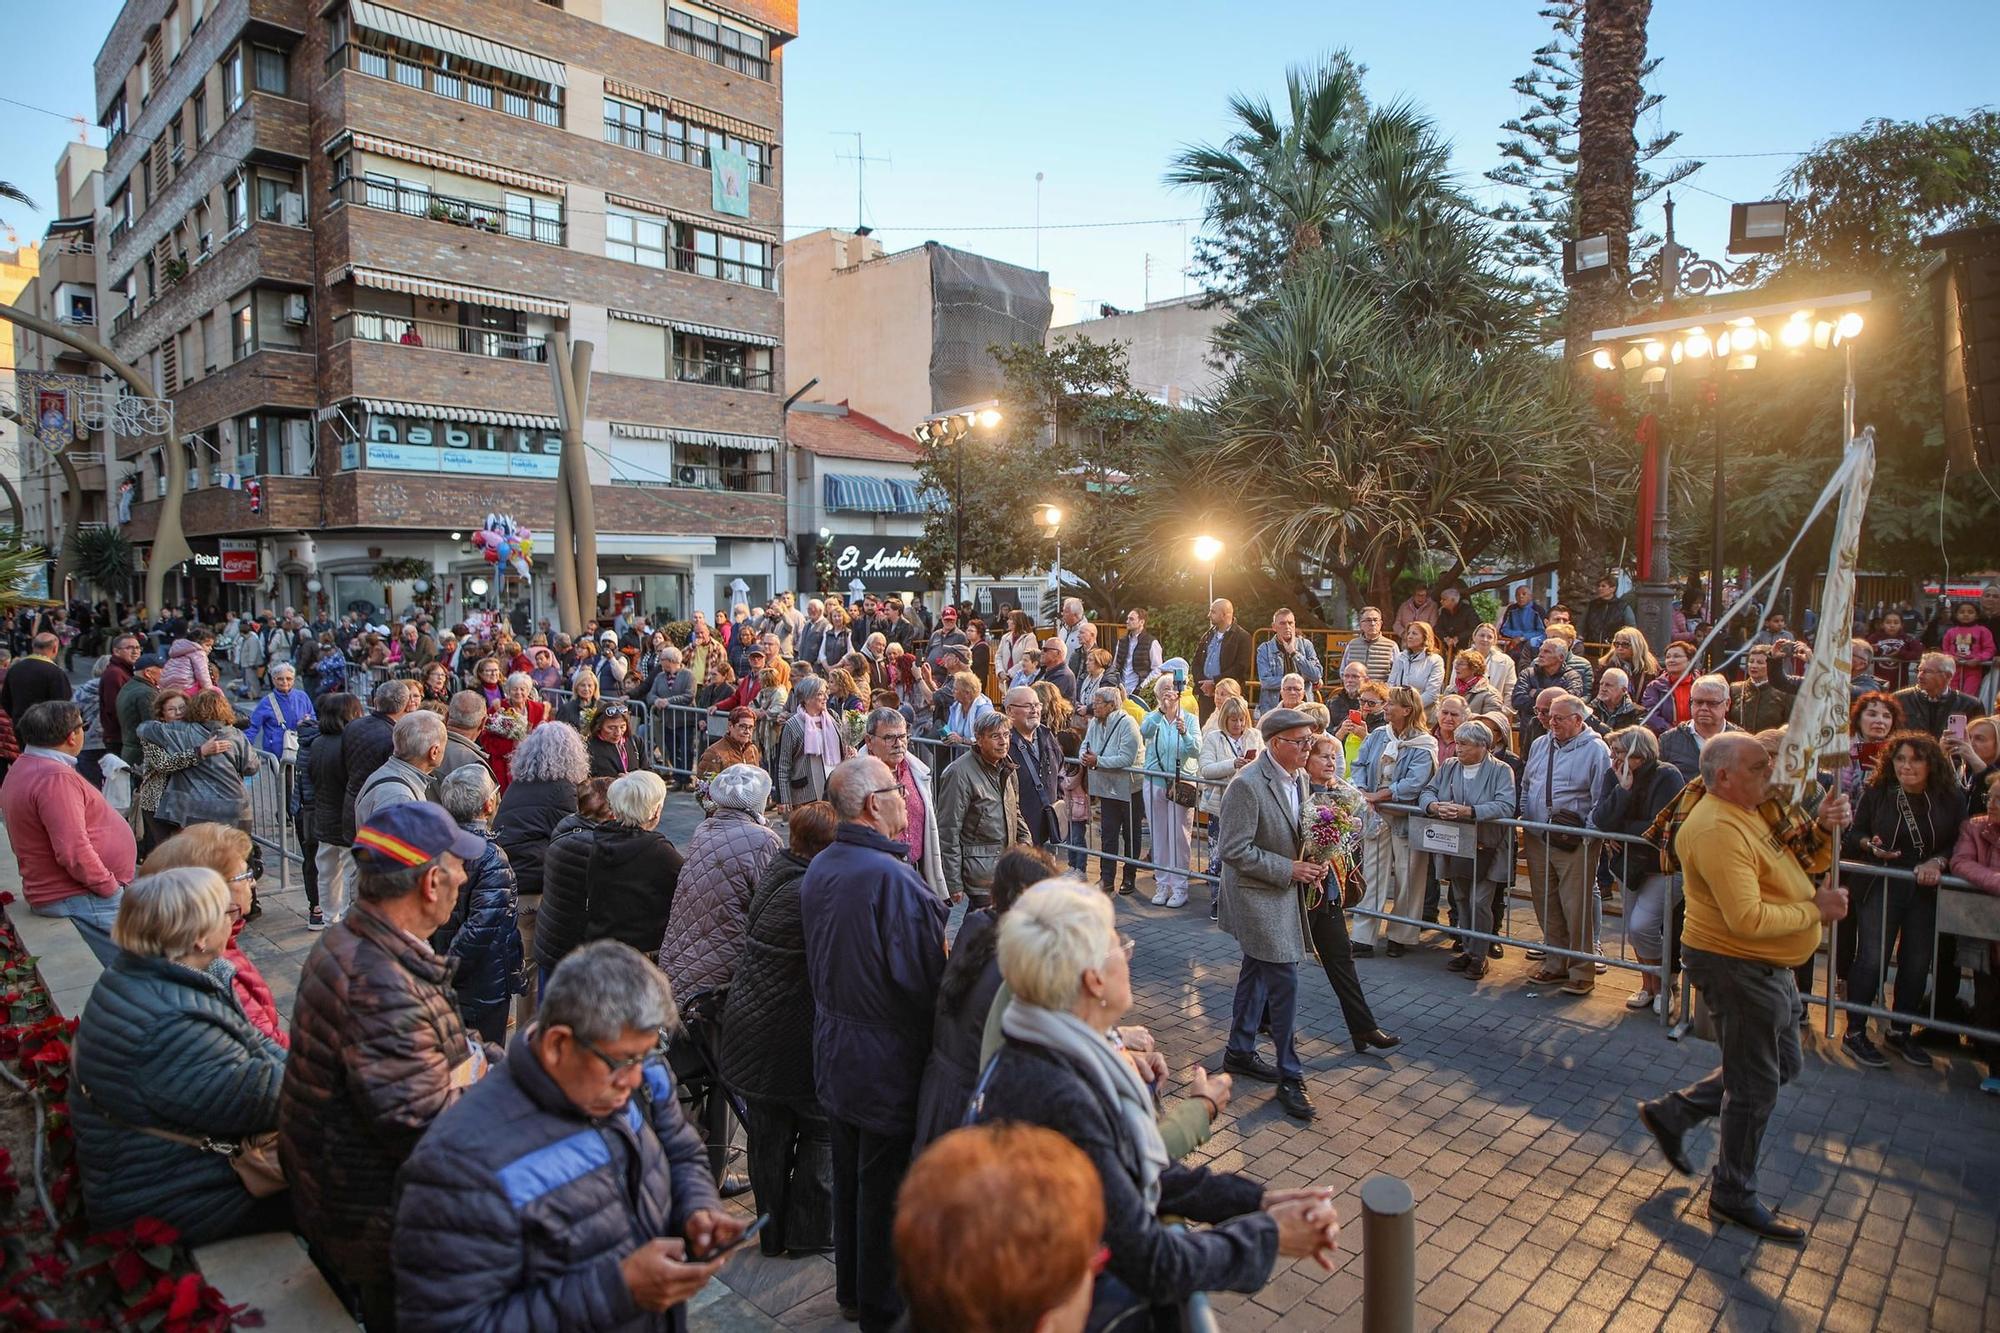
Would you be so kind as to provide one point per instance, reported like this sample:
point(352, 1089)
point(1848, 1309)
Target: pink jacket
point(1976, 859)
point(1971, 646)
point(67, 839)
point(187, 668)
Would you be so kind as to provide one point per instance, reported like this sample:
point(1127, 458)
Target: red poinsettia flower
point(152, 1231)
point(187, 1297)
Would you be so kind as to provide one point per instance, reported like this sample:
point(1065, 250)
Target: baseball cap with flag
point(410, 834)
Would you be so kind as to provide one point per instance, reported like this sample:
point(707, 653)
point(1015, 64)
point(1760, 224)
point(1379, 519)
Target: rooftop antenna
point(860, 159)
point(1038, 220)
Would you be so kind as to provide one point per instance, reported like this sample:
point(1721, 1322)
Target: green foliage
point(17, 565)
point(402, 569)
point(1862, 204)
point(102, 555)
point(1179, 627)
point(1070, 435)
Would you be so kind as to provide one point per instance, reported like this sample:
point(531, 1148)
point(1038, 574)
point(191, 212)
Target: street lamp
point(1732, 339)
point(1053, 517)
point(951, 428)
point(1206, 549)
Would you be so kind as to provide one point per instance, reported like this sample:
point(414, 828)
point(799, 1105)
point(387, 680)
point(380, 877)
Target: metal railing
point(429, 77)
point(723, 374)
point(478, 214)
point(367, 326)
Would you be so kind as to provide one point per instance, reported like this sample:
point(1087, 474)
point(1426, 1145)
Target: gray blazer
point(1115, 742)
point(1262, 834)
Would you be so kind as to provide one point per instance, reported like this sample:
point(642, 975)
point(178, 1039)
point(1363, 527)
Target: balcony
point(480, 215)
point(122, 322)
point(429, 77)
point(366, 326)
point(721, 374)
point(736, 479)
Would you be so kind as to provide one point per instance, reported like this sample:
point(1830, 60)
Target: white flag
point(1819, 719)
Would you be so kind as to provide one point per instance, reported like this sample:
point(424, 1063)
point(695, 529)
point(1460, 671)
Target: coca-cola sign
point(239, 561)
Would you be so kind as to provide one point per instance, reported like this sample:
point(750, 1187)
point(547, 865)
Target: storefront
point(869, 562)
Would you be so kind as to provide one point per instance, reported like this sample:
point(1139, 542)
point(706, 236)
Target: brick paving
point(1540, 1201)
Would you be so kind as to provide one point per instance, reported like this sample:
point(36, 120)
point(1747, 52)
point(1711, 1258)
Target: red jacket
point(254, 993)
point(66, 838)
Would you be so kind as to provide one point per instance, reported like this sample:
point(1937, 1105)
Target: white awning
point(389, 407)
point(698, 330)
point(756, 444)
point(459, 166)
point(638, 543)
point(631, 431)
point(423, 32)
point(383, 280)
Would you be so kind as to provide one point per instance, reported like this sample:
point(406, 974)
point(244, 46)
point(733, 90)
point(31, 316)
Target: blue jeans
point(93, 916)
point(1266, 991)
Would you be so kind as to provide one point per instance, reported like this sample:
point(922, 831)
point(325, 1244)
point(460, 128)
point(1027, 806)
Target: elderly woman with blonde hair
point(164, 1060)
point(1062, 1067)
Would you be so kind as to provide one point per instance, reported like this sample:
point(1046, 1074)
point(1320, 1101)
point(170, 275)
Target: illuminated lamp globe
point(1849, 326)
point(479, 587)
point(1601, 358)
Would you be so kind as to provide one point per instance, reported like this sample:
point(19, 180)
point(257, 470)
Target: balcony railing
point(480, 215)
point(707, 477)
point(722, 374)
point(446, 83)
point(367, 326)
point(118, 231)
point(123, 321)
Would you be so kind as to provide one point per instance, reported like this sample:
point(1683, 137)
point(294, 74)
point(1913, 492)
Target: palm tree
point(15, 194)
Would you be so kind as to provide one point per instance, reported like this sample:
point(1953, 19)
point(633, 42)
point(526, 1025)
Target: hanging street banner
point(729, 182)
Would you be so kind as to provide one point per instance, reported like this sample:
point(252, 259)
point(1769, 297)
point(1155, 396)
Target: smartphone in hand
point(712, 1255)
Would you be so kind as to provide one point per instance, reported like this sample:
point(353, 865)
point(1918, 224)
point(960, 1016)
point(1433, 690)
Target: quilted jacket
point(517, 1209)
point(375, 1037)
point(163, 1046)
point(483, 935)
point(767, 1025)
point(602, 881)
point(726, 858)
point(326, 766)
point(366, 744)
point(527, 819)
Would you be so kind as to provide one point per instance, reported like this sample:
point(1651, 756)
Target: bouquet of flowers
point(853, 729)
point(1333, 835)
point(507, 724)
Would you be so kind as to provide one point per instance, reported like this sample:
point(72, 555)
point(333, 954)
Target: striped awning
point(389, 407)
point(632, 431)
point(423, 32)
point(701, 115)
point(698, 330)
point(760, 25)
point(756, 444)
point(869, 495)
point(459, 166)
point(691, 219)
point(385, 281)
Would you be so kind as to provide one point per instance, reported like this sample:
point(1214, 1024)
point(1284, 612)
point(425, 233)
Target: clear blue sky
point(971, 101)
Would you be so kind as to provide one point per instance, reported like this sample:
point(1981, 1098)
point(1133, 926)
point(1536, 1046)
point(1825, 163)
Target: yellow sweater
point(1746, 895)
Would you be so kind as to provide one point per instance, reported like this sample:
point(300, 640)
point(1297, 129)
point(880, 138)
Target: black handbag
point(1562, 842)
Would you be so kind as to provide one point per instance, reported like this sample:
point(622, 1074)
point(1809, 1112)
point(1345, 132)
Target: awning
point(716, 120)
point(423, 32)
point(760, 25)
point(690, 219)
point(869, 495)
point(460, 166)
point(756, 444)
point(637, 543)
point(388, 407)
point(385, 281)
point(698, 330)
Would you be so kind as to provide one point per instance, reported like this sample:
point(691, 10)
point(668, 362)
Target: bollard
point(1388, 1256)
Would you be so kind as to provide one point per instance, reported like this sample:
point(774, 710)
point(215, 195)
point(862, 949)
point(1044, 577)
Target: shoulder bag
point(254, 1158)
point(1562, 842)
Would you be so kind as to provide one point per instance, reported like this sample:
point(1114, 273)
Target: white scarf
point(1113, 1078)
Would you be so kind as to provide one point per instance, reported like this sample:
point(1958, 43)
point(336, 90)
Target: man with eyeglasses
point(1264, 870)
point(1559, 785)
point(979, 811)
point(1055, 668)
point(378, 1048)
point(570, 1187)
point(887, 737)
point(1037, 758)
point(1708, 701)
point(875, 953)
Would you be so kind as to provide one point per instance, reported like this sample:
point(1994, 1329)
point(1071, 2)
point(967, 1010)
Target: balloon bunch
point(505, 542)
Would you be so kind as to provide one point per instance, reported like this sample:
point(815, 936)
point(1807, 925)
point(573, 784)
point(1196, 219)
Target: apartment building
point(64, 291)
point(340, 236)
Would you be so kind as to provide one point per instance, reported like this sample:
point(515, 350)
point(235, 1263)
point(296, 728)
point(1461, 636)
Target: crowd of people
point(494, 1101)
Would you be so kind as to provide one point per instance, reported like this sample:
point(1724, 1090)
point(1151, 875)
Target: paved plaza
point(1540, 1201)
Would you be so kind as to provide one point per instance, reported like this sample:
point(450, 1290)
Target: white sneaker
point(1160, 898)
point(1179, 898)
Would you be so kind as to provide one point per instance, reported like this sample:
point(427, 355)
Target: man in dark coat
point(378, 1051)
point(1037, 758)
point(567, 1190)
point(1055, 670)
point(874, 936)
point(34, 679)
point(1223, 654)
point(1927, 705)
point(117, 675)
point(135, 705)
point(369, 742)
point(1605, 614)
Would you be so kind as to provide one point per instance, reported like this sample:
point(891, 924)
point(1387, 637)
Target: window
point(269, 444)
point(81, 308)
point(171, 25)
point(702, 360)
point(710, 254)
point(208, 360)
point(232, 80)
point(718, 43)
point(242, 328)
point(534, 219)
point(114, 121)
point(152, 278)
point(175, 144)
point(267, 71)
point(236, 202)
point(204, 240)
point(271, 192)
point(634, 126)
point(653, 131)
point(636, 238)
point(201, 115)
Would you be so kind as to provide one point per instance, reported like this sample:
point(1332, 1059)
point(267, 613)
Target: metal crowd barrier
point(271, 788)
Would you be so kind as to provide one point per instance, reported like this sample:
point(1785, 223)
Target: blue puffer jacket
point(516, 1209)
point(874, 957)
point(483, 933)
point(163, 1046)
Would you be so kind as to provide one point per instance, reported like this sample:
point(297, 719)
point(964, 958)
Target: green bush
point(1178, 628)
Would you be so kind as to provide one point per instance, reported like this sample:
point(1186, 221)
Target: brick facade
point(291, 133)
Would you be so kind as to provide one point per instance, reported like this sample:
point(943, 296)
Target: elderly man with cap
point(378, 1048)
point(948, 635)
point(1264, 873)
